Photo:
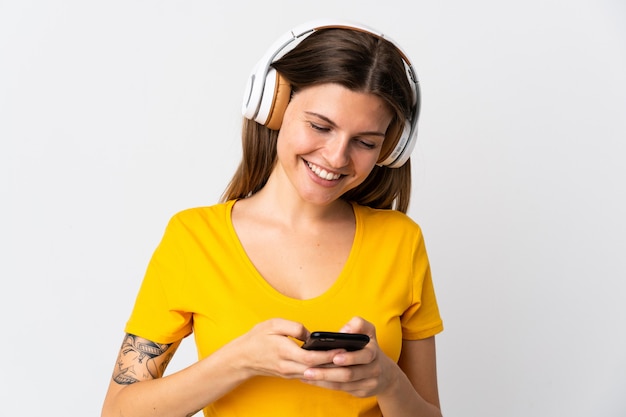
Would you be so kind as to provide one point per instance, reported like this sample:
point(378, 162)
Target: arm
point(415, 389)
point(408, 388)
point(136, 384)
point(138, 387)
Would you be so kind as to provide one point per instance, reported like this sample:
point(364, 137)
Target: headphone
point(267, 93)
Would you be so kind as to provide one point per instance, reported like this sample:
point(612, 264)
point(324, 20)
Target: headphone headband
point(264, 85)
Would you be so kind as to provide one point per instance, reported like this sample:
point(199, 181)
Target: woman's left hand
point(362, 373)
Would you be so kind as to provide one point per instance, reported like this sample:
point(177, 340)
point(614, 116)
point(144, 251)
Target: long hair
point(362, 63)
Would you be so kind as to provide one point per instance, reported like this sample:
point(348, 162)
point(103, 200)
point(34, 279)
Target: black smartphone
point(333, 340)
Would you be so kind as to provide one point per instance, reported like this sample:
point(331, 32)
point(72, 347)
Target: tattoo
point(141, 359)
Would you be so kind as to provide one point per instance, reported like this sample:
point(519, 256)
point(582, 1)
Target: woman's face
point(330, 140)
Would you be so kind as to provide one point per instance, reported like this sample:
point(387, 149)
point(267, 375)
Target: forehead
point(335, 101)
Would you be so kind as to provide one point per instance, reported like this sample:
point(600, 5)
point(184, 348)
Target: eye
point(318, 128)
point(366, 144)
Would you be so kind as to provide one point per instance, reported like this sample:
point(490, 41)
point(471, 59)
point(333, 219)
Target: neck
point(278, 199)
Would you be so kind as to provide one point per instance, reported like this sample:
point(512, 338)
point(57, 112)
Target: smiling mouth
point(322, 173)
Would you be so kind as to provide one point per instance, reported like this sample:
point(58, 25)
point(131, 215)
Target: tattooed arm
point(139, 388)
point(141, 359)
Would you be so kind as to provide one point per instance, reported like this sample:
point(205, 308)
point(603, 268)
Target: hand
point(269, 349)
point(362, 373)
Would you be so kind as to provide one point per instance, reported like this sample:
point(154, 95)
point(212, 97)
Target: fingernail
point(309, 374)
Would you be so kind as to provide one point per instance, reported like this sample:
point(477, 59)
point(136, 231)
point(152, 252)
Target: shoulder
point(191, 231)
point(388, 228)
point(387, 218)
point(214, 214)
point(199, 223)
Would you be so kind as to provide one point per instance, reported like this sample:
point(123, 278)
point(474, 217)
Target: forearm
point(401, 400)
point(266, 350)
point(180, 394)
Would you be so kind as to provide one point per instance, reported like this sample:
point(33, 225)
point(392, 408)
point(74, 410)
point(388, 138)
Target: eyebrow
point(333, 124)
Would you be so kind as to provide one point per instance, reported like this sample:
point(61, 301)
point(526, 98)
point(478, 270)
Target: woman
point(311, 235)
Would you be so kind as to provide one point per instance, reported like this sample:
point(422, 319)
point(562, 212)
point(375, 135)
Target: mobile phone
point(333, 340)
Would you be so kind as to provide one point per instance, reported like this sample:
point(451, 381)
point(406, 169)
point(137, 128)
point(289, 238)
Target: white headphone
point(267, 92)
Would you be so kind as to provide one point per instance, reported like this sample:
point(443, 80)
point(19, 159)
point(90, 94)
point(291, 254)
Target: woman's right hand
point(270, 349)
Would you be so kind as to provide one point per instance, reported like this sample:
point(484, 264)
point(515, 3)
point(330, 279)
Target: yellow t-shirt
point(200, 280)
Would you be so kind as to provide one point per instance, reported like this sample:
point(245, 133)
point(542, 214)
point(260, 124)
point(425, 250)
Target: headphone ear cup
point(403, 148)
point(274, 100)
point(408, 141)
point(282, 96)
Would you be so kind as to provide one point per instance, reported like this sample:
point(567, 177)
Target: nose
point(336, 152)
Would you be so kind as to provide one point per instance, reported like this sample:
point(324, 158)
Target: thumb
point(359, 325)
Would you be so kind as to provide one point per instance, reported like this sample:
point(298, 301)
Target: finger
point(338, 374)
point(358, 357)
point(318, 358)
point(361, 389)
point(356, 380)
point(284, 327)
point(359, 325)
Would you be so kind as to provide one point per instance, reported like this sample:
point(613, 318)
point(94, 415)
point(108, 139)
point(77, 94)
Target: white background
point(114, 115)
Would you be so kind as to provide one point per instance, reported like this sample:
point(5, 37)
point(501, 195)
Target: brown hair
point(356, 60)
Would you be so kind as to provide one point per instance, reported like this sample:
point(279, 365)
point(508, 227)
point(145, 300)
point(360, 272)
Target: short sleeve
point(422, 319)
point(156, 314)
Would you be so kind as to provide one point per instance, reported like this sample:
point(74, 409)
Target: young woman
point(311, 235)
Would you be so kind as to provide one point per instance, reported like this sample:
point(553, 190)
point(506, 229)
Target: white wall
point(114, 115)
